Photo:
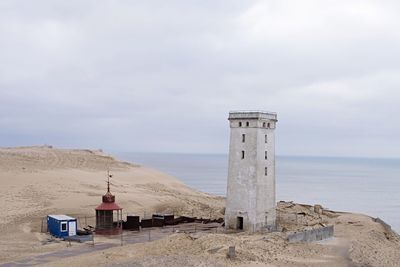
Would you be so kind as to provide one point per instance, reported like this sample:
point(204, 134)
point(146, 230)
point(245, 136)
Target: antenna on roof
point(108, 180)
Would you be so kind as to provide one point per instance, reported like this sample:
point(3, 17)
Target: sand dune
point(36, 181)
point(39, 158)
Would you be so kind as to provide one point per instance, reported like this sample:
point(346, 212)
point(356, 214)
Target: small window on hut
point(63, 226)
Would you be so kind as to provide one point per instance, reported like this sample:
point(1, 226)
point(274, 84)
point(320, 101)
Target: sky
point(162, 76)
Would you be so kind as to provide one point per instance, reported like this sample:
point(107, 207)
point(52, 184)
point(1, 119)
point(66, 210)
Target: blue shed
point(61, 225)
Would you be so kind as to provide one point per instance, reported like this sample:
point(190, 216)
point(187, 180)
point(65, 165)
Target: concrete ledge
point(236, 115)
point(385, 225)
point(311, 235)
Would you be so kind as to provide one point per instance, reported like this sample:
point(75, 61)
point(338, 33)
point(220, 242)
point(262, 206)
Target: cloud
point(157, 76)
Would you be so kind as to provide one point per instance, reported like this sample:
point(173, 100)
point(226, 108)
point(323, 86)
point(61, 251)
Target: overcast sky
point(162, 75)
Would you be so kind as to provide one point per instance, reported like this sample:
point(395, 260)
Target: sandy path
point(75, 249)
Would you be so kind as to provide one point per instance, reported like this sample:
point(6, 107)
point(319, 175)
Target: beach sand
point(36, 181)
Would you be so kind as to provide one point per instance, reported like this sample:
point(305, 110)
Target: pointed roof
point(108, 198)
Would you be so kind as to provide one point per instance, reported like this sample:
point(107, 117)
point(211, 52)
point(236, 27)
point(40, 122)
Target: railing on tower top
point(252, 111)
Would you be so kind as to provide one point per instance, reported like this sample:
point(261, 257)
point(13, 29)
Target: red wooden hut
point(108, 214)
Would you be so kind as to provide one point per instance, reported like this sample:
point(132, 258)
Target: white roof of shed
point(62, 217)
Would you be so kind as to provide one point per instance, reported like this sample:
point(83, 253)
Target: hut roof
point(61, 217)
point(108, 206)
point(108, 199)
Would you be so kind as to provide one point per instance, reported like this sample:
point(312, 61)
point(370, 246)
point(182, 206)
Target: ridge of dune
point(40, 158)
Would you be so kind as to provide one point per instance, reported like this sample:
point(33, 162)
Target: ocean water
point(369, 186)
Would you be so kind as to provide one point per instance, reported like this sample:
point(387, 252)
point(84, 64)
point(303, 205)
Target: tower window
point(266, 139)
point(240, 124)
point(268, 125)
point(266, 171)
point(242, 154)
point(264, 124)
point(266, 155)
point(243, 138)
point(247, 123)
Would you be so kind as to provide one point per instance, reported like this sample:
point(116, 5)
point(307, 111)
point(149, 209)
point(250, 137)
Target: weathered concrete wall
point(251, 193)
point(311, 235)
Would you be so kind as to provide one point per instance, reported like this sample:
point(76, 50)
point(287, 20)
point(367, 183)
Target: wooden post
point(231, 252)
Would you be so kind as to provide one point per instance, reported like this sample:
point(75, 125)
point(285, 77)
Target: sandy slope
point(36, 181)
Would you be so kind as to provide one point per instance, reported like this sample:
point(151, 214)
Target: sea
point(359, 185)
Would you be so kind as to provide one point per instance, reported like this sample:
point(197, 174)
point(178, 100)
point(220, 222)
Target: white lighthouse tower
point(250, 199)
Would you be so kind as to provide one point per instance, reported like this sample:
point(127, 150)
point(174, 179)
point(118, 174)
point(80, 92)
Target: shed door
point(239, 225)
point(72, 228)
